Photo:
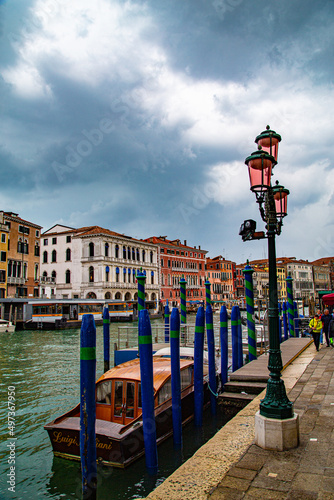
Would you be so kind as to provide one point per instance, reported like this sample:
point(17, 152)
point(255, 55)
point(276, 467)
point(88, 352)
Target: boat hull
point(117, 445)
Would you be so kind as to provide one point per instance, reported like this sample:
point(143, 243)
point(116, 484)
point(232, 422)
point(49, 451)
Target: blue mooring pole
point(249, 293)
point(87, 406)
point(211, 356)
point(147, 390)
point(234, 335)
point(224, 345)
point(285, 321)
point(166, 322)
point(240, 347)
point(176, 377)
point(198, 367)
point(106, 339)
point(295, 315)
point(280, 322)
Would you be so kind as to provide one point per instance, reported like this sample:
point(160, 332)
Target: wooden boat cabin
point(119, 433)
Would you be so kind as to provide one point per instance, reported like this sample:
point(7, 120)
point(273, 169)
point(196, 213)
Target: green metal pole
point(276, 403)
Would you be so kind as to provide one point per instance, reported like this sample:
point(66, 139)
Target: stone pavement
point(306, 472)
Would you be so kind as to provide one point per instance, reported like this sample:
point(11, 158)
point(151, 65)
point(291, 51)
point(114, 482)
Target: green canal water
point(42, 368)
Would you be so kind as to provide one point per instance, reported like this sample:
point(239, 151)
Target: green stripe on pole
point(174, 334)
point(223, 324)
point(87, 353)
point(234, 322)
point(145, 339)
point(209, 326)
point(106, 321)
point(199, 329)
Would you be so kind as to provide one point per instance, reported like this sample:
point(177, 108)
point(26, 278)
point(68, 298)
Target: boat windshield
point(103, 392)
point(165, 392)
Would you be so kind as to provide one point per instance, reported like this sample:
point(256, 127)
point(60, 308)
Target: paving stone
point(271, 483)
point(328, 484)
point(285, 470)
point(264, 494)
point(324, 495)
point(310, 483)
point(242, 473)
point(252, 461)
point(221, 493)
point(302, 495)
point(235, 483)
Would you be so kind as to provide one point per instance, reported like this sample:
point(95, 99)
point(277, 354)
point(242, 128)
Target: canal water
point(42, 370)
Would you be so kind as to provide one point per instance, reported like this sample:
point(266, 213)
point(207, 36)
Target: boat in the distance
point(119, 424)
point(6, 326)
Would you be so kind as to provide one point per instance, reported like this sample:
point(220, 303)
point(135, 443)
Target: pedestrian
point(316, 326)
point(326, 319)
point(331, 332)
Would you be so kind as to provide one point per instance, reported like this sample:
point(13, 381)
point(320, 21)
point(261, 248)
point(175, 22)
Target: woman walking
point(316, 326)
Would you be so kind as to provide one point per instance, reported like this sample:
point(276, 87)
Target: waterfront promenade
point(230, 466)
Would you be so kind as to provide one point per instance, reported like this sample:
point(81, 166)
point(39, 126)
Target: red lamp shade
point(269, 141)
point(281, 200)
point(260, 166)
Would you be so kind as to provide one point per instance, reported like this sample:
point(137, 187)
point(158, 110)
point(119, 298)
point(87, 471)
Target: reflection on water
point(43, 366)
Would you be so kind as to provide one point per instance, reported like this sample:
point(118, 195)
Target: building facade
point(23, 256)
point(4, 232)
point(93, 262)
point(177, 260)
point(301, 271)
point(220, 272)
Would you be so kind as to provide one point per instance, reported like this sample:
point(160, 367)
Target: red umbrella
point(328, 299)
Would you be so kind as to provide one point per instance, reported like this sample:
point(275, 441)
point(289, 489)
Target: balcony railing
point(15, 281)
point(47, 280)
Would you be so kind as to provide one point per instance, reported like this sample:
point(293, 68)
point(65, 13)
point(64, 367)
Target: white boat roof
point(185, 352)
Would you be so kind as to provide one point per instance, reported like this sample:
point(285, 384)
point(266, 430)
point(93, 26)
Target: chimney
point(185, 243)
point(199, 247)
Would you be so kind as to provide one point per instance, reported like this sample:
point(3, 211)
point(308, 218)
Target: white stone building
point(93, 262)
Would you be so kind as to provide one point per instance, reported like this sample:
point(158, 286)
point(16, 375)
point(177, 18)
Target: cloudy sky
point(137, 116)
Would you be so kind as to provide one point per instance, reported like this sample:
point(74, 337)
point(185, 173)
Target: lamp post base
point(275, 434)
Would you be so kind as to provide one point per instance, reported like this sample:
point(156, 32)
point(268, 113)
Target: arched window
point(106, 250)
point(91, 274)
point(36, 272)
point(152, 277)
point(151, 257)
point(68, 276)
point(45, 257)
point(137, 251)
point(91, 249)
point(54, 256)
point(107, 273)
point(68, 254)
point(54, 276)
point(107, 295)
point(116, 251)
point(143, 255)
point(129, 253)
point(133, 254)
point(124, 252)
point(117, 274)
point(118, 296)
point(45, 275)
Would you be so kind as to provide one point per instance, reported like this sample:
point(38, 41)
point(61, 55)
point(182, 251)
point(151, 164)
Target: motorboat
point(119, 424)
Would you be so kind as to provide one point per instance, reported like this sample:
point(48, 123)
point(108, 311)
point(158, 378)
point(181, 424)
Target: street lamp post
point(276, 418)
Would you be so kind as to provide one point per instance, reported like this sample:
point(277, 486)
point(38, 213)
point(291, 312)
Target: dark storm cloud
point(136, 138)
